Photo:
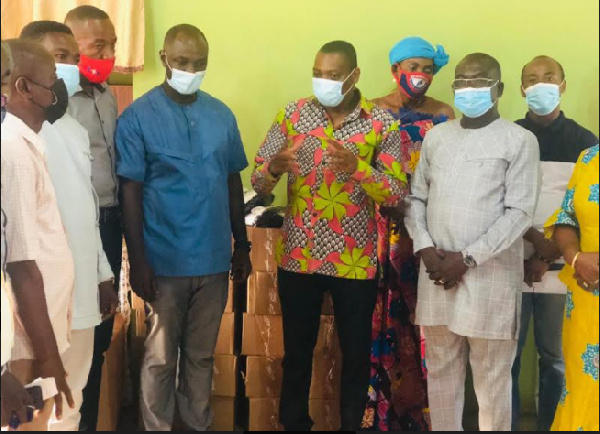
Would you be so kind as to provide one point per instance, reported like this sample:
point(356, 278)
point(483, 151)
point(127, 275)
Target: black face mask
point(58, 108)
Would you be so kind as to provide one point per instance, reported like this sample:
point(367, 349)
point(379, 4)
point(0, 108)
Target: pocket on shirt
point(486, 168)
point(175, 154)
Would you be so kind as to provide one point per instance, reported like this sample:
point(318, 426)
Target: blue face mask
point(330, 92)
point(543, 98)
point(474, 102)
point(70, 75)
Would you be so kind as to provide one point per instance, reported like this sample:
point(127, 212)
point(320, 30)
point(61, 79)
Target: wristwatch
point(243, 245)
point(469, 260)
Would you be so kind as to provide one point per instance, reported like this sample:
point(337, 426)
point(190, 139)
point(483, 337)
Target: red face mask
point(96, 70)
point(413, 84)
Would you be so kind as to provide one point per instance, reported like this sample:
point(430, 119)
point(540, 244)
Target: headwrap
point(419, 47)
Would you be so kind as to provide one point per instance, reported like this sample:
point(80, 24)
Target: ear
point(163, 57)
point(563, 88)
point(523, 92)
point(357, 75)
point(500, 89)
point(21, 87)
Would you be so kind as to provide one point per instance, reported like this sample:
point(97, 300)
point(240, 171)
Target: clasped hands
point(446, 269)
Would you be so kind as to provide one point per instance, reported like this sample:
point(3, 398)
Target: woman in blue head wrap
point(398, 392)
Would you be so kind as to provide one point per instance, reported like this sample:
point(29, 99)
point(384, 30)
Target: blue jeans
point(547, 311)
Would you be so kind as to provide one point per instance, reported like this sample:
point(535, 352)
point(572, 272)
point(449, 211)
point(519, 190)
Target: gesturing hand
point(341, 160)
point(287, 160)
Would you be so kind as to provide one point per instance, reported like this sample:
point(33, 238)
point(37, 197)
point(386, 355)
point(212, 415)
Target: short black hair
point(186, 29)
point(36, 30)
point(490, 61)
point(544, 57)
point(342, 47)
point(86, 13)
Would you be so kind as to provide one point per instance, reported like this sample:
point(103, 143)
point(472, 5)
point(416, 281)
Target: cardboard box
point(226, 341)
point(224, 411)
point(263, 295)
point(264, 415)
point(325, 414)
point(264, 378)
point(229, 306)
point(264, 248)
point(225, 375)
point(113, 378)
point(263, 336)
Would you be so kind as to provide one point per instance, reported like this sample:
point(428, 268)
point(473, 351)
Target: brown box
point(226, 342)
point(224, 410)
point(225, 375)
point(263, 336)
point(113, 376)
point(264, 248)
point(264, 415)
point(325, 414)
point(263, 295)
point(264, 378)
point(229, 306)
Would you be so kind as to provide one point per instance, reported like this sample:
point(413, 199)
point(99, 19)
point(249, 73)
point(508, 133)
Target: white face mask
point(185, 83)
point(329, 92)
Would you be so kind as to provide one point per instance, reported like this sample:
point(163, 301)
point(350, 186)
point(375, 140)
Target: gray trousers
point(447, 357)
point(183, 327)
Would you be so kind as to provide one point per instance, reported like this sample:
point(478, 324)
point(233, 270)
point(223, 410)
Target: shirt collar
point(88, 87)
point(18, 128)
point(364, 108)
point(553, 127)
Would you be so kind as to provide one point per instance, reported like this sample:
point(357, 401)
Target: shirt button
point(193, 123)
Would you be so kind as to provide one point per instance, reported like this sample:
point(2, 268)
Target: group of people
point(438, 238)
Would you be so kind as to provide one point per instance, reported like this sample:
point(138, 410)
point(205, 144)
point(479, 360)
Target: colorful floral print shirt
point(330, 226)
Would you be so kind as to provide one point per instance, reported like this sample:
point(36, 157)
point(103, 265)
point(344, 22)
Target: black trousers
point(111, 233)
point(301, 301)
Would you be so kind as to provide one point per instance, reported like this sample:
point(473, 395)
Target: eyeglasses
point(464, 83)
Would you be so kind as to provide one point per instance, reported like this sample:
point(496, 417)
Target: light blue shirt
point(184, 155)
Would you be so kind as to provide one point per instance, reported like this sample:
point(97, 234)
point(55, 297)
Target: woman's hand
point(587, 270)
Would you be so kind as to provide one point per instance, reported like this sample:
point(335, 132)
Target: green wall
point(262, 50)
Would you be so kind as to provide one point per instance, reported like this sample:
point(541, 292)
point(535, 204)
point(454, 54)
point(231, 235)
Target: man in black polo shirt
point(544, 296)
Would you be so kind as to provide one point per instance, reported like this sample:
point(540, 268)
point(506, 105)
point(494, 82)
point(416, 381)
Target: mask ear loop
point(353, 86)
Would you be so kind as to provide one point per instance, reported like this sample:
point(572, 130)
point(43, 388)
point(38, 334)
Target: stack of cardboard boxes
point(262, 344)
point(226, 372)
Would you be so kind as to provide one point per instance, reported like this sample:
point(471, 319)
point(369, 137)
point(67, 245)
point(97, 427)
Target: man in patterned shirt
point(341, 154)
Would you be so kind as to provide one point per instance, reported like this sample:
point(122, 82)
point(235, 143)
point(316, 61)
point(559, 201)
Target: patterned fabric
point(330, 226)
point(570, 304)
point(564, 394)
point(398, 390)
point(475, 190)
point(491, 360)
point(580, 336)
